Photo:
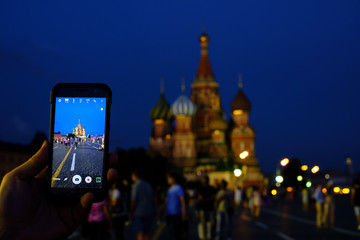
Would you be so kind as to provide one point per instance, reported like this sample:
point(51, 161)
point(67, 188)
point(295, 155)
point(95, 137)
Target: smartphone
point(79, 139)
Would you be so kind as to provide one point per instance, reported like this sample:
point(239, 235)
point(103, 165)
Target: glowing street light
point(315, 169)
point(304, 167)
point(308, 184)
point(345, 190)
point(273, 192)
point(284, 162)
point(244, 154)
point(279, 179)
point(299, 178)
point(237, 172)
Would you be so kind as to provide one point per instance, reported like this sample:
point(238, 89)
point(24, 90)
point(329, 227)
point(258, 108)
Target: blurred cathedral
point(202, 141)
point(78, 131)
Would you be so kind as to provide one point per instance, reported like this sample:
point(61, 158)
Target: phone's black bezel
point(80, 90)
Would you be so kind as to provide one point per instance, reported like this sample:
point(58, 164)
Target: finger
point(112, 175)
point(87, 200)
point(113, 158)
point(71, 217)
point(82, 208)
point(35, 164)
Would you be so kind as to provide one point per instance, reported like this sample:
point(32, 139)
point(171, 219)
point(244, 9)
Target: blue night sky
point(300, 62)
point(90, 113)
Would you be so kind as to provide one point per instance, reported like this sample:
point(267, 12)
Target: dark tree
point(290, 173)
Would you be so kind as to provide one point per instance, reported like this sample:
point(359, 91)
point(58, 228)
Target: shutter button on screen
point(76, 179)
point(88, 179)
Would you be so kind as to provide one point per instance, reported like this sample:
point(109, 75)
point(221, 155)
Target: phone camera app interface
point(78, 142)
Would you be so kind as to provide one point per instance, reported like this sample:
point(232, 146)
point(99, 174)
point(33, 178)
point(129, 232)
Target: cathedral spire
point(204, 70)
point(240, 81)
point(162, 88)
point(183, 85)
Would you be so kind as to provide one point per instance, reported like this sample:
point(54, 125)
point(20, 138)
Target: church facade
point(194, 134)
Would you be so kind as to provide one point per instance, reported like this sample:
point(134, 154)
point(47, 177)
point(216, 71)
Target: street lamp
point(279, 179)
point(304, 167)
point(244, 154)
point(315, 169)
point(299, 178)
point(237, 172)
point(284, 162)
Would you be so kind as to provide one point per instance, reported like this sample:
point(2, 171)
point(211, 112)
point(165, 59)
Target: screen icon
point(88, 179)
point(80, 100)
point(98, 179)
point(76, 179)
point(94, 101)
point(87, 100)
point(59, 100)
point(73, 100)
point(66, 100)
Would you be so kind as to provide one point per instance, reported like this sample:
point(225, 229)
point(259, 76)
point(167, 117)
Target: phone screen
point(78, 142)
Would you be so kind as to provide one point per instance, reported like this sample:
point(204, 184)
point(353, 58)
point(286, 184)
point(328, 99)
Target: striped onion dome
point(218, 123)
point(161, 110)
point(183, 106)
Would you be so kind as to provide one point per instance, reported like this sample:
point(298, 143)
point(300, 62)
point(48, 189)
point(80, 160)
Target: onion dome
point(161, 110)
point(241, 102)
point(218, 123)
point(183, 105)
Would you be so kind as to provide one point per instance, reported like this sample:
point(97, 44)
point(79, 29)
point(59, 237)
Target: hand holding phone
point(26, 212)
point(79, 139)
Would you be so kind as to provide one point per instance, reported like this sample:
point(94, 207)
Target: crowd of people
point(323, 198)
point(145, 208)
point(211, 207)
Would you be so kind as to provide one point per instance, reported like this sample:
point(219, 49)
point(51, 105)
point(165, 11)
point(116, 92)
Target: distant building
point(203, 142)
point(58, 136)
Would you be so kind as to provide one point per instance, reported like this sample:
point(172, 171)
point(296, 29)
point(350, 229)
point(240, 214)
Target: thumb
point(82, 208)
point(35, 164)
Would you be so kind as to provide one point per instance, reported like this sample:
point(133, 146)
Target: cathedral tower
point(243, 139)
point(160, 140)
point(205, 95)
point(184, 152)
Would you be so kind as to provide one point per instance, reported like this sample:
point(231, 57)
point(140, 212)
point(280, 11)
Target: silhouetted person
point(119, 195)
point(329, 207)
point(355, 198)
point(319, 204)
point(99, 220)
point(256, 202)
point(142, 207)
point(175, 207)
point(222, 214)
point(305, 198)
point(206, 209)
